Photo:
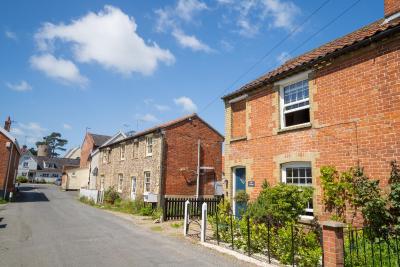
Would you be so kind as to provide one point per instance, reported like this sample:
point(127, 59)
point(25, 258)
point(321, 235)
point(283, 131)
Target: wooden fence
point(174, 208)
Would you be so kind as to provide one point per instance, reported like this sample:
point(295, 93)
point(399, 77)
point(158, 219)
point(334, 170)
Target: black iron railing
point(369, 247)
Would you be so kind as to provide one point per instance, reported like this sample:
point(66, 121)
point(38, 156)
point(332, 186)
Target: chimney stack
point(391, 7)
point(7, 124)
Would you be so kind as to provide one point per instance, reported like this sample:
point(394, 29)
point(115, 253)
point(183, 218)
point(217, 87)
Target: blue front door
point(240, 185)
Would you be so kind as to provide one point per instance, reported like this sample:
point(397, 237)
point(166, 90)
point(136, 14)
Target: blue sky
point(128, 65)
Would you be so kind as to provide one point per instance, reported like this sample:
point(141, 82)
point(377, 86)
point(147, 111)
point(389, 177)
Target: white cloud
point(147, 117)
point(283, 57)
point(59, 69)
point(226, 46)
point(108, 38)
point(190, 41)
point(186, 103)
point(170, 19)
point(251, 16)
point(11, 35)
point(162, 107)
point(22, 86)
point(28, 133)
point(66, 126)
point(186, 8)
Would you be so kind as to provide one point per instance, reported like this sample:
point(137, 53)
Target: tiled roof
point(163, 126)
point(320, 52)
point(58, 162)
point(99, 139)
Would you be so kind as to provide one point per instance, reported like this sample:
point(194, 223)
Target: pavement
point(48, 227)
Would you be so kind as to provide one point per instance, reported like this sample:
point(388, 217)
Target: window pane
point(289, 180)
point(295, 180)
point(296, 91)
point(302, 172)
point(295, 172)
point(297, 117)
point(308, 172)
point(289, 172)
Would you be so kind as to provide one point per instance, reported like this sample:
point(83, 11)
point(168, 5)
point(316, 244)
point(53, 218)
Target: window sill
point(236, 139)
point(295, 127)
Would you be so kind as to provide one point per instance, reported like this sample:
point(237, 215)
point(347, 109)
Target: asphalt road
point(47, 227)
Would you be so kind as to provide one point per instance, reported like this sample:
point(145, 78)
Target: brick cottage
point(164, 161)
point(338, 105)
point(9, 158)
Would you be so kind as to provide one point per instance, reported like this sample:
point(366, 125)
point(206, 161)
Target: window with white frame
point(295, 103)
point(120, 182)
point(149, 145)
point(133, 179)
point(105, 160)
point(26, 164)
point(122, 151)
point(146, 182)
point(135, 149)
point(299, 173)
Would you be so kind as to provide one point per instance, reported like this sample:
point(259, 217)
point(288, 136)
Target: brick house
point(338, 105)
point(9, 158)
point(163, 161)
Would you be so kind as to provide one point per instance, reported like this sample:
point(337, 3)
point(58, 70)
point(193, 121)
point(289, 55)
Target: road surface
point(48, 227)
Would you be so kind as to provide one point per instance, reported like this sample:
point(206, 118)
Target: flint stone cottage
point(163, 161)
point(337, 105)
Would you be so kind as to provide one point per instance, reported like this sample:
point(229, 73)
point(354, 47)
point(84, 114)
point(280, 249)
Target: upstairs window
point(105, 160)
point(295, 104)
point(26, 164)
point(135, 150)
point(149, 145)
point(122, 152)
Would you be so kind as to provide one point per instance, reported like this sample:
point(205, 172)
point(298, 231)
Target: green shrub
point(156, 213)
point(22, 179)
point(111, 195)
point(3, 201)
point(146, 211)
point(280, 204)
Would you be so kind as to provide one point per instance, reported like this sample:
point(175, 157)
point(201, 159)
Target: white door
point(133, 187)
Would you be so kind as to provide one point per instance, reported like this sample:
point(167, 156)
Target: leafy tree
point(55, 142)
point(33, 151)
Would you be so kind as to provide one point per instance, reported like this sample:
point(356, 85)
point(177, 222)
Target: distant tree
point(55, 143)
point(33, 151)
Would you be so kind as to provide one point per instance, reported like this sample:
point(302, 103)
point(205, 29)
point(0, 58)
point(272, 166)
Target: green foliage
point(111, 195)
point(3, 201)
point(86, 200)
point(242, 197)
point(394, 195)
point(177, 225)
point(156, 213)
point(280, 204)
point(22, 179)
point(55, 142)
point(146, 211)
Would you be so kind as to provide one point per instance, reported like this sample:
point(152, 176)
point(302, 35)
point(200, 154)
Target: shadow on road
point(2, 226)
point(26, 194)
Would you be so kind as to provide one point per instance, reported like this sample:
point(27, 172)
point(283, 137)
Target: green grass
point(176, 225)
point(156, 228)
point(2, 201)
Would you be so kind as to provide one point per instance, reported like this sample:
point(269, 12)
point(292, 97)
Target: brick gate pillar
point(332, 239)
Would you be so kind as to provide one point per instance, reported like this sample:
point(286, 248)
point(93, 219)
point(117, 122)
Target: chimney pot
point(7, 124)
point(391, 7)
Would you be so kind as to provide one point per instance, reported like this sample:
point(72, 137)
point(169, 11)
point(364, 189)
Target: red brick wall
point(86, 149)
point(238, 119)
point(391, 7)
point(355, 117)
point(181, 158)
point(4, 160)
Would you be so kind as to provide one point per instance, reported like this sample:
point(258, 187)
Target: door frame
point(234, 186)
point(133, 194)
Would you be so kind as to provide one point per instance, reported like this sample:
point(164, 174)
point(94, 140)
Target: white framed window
point(149, 145)
point(122, 152)
point(294, 100)
point(146, 182)
point(134, 180)
point(105, 160)
point(26, 164)
point(135, 149)
point(300, 174)
point(120, 182)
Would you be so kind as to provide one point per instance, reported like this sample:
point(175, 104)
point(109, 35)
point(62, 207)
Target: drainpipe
point(8, 170)
point(198, 169)
point(161, 190)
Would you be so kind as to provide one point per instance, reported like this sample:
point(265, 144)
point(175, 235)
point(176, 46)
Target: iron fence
point(259, 240)
point(174, 208)
point(369, 247)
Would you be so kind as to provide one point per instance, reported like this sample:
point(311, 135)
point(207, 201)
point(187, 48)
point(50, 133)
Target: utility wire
point(266, 55)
